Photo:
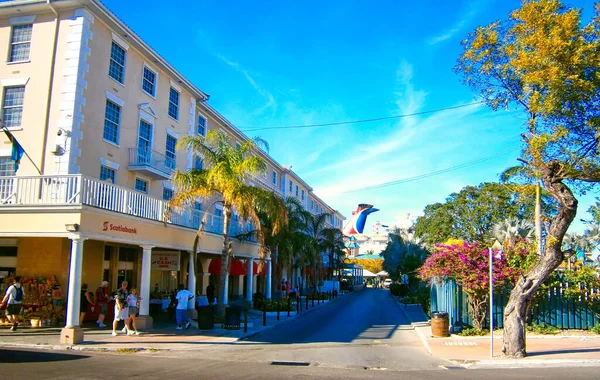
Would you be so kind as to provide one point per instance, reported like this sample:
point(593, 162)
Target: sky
point(284, 63)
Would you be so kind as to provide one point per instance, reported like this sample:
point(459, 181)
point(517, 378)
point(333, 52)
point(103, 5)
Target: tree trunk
point(538, 218)
point(479, 311)
point(515, 314)
point(225, 256)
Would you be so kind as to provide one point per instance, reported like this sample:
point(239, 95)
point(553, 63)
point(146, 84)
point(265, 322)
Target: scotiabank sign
point(107, 226)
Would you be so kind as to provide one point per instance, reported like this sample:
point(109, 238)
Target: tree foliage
point(467, 264)
point(225, 181)
point(470, 214)
point(404, 253)
point(372, 265)
point(545, 62)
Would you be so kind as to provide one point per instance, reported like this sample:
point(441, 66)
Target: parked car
point(387, 282)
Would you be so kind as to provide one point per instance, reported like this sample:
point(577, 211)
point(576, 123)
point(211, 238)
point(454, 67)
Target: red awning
point(237, 267)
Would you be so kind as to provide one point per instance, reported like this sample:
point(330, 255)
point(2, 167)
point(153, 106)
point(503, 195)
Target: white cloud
point(459, 25)
point(270, 99)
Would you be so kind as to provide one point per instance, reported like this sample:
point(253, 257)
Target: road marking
point(460, 343)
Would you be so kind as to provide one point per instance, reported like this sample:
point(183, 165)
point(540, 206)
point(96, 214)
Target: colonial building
point(99, 114)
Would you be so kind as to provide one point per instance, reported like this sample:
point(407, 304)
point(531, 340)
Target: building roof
point(369, 257)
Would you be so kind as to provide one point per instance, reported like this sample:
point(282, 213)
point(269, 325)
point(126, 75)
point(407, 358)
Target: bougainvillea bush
point(468, 265)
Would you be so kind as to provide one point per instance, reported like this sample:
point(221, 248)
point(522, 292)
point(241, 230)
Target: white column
point(145, 288)
point(74, 297)
point(249, 280)
point(268, 284)
point(192, 275)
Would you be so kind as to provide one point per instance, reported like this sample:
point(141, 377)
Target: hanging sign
point(167, 261)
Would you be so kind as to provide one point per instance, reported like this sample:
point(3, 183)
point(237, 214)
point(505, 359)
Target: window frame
point(167, 190)
point(154, 85)
point(205, 127)
point(291, 186)
point(121, 66)
point(141, 180)
point(108, 170)
point(12, 107)
point(174, 152)
point(13, 43)
point(7, 165)
point(118, 123)
point(172, 104)
point(274, 178)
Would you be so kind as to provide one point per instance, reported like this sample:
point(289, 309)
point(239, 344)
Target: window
point(20, 43)
point(218, 212)
point(107, 174)
point(167, 194)
point(174, 104)
point(149, 81)
point(198, 164)
point(116, 70)
point(145, 137)
point(291, 186)
point(112, 117)
point(198, 206)
point(274, 178)
point(302, 194)
point(201, 128)
point(141, 185)
point(170, 152)
point(12, 106)
point(7, 167)
point(296, 191)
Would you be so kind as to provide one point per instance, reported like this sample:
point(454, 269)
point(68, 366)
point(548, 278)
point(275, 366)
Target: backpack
point(19, 295)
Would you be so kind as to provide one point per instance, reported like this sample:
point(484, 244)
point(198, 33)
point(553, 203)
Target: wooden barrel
point(440, 324)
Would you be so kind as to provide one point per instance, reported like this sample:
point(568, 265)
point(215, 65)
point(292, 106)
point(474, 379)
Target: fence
point(554, 308)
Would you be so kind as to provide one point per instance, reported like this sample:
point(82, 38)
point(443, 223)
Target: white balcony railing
point(78, 190)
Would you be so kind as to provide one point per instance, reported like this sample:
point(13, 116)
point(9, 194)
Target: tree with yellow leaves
point(545, 62)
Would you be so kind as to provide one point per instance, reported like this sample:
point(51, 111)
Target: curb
point(424, 341)
point(525, 363)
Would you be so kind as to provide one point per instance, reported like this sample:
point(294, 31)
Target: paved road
point(55, 365)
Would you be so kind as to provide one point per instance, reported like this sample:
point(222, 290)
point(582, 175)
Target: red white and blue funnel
point(356, 224)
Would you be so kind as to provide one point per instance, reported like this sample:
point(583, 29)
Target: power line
point(362, 120)
point(430, 174)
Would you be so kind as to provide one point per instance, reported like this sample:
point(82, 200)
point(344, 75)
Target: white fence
point(77, 190)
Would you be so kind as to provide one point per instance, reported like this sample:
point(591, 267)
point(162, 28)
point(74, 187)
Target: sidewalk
point(542, 350)
point(163, 337)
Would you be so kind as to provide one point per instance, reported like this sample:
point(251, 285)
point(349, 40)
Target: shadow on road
point(362, 316)
point(17, 356)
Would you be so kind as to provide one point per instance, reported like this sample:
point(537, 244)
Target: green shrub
point(274, 305)
point(596, 329)
point(317, 296)
point(399, 290)
point(543, 329)
point(421, 296)
point(471, 331)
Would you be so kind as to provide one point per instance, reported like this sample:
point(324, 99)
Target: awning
point(237, 267)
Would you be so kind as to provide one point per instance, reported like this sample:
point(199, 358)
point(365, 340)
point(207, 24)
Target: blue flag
point(17, 150)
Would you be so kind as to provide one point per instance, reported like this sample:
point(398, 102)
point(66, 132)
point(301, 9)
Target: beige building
point(99, 113)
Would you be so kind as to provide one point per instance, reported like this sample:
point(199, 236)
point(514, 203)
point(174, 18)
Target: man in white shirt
point(183, 297)
point(13, 300)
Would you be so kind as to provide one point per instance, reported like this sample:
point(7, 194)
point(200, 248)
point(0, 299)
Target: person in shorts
point(13, 300)
point(121, 307)
point(133, 302)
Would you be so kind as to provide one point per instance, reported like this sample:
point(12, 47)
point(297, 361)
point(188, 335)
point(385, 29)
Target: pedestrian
point(287, 288)
point(183, 296)
point(101, 298)
point(283, 289)
point(121, 307)
point(13, 299)
point(133, 302)
point(85, 301)
point(210, 293)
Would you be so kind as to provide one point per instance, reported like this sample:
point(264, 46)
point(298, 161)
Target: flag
point(17, 149)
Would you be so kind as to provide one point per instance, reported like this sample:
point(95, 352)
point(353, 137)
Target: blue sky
point(280, 63)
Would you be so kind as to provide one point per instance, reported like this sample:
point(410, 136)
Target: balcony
point(151, 163)
point(74, 191)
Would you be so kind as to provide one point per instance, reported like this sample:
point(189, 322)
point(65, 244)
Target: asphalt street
point(361, 335)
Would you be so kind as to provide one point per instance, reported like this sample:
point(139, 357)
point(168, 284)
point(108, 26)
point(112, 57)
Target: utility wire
point(430, 174)
point(361, 120)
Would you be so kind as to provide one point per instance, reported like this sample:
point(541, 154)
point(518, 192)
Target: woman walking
point(85, 301)
point(133, 302)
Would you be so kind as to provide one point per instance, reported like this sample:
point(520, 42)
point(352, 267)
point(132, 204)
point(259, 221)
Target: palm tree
point(510, 229)
point(225, 181)
point(336, 249)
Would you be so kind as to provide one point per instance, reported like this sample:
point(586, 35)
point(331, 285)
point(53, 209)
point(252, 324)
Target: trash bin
point(440, 324)
point(233, 317)
point(206, 317)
